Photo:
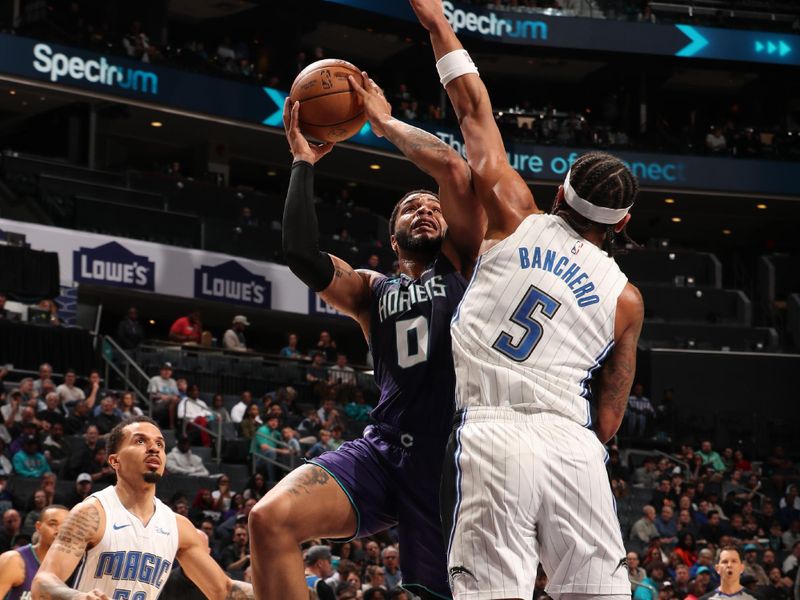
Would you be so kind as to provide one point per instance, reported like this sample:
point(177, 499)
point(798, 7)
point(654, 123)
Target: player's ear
point(619, 226)
point(393, 242)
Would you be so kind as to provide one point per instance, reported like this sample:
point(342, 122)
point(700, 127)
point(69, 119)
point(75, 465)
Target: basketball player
point(526, 480)
point(18, 567)
point(390, 476)
point(124, 538)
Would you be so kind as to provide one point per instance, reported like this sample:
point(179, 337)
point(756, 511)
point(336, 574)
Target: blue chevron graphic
point(278, 97)
point(784, 48)
point(698, 41)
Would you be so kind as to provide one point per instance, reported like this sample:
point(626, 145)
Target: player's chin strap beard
point(420, 244)
point(152, 477)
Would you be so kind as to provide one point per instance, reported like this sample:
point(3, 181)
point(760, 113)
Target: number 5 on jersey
point(523, 316)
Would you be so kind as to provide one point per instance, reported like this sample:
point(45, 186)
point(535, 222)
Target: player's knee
point(271, 518)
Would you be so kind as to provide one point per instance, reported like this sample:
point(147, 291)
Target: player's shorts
point(520, 488)
point(393, 479)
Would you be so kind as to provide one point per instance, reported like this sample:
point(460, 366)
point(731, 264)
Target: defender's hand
point(429, 12)
point(376, 107)
point(298, 145)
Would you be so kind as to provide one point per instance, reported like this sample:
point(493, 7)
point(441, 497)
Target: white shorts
point(520, 488)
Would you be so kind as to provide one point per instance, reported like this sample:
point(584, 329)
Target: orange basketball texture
point(330, 110)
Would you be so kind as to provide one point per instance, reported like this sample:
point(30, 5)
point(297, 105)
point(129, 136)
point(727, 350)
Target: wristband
point(455, 64)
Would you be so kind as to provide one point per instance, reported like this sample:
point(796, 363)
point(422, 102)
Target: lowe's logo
point(490, 24)
point(58, 65)
point(231, 282)
point(113, 264)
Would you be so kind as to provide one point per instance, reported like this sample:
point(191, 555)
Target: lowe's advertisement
point(125, 80)
point(603, 35)
point(147, 267)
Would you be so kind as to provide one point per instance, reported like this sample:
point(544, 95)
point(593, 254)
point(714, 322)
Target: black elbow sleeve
point(301, 231)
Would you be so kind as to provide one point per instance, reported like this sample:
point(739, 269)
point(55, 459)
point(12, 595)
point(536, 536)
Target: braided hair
point(604, 180)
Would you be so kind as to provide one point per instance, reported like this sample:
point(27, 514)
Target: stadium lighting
point(726, 232)
point(271, 173)
point(12, 92)
point(676, 219)
point(156, 124)
point(669, 200)
point(761, 206)
point(375, 167)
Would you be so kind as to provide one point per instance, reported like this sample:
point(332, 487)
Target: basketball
point(330, 110)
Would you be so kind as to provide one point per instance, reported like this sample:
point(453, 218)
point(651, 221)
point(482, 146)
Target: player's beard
point(424, 245)
point(152, 477)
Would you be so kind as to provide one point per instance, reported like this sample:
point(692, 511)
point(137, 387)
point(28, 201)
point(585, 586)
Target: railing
point(217, 436)
point(294, 460)
point(129, 366)
point(658, 453)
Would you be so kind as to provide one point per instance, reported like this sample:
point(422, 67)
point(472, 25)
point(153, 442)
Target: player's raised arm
point(465, 217)
point(616, 376)
point(203, 570)
point(82, 529)
point(336, 281)
point(504, 194)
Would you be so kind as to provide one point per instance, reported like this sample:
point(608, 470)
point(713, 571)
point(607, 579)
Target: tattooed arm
point(617, 374)
point(82, 529)
point(203, 570)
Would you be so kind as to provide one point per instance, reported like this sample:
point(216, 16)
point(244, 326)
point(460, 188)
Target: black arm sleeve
point(301, 231)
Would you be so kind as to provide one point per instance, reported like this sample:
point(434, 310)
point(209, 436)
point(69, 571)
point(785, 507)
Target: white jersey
point(536, 321)
point(132, 561)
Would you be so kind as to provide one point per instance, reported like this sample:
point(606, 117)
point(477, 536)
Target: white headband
point(598, 214)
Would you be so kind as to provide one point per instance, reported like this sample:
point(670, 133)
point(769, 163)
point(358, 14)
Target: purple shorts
point(394, 480)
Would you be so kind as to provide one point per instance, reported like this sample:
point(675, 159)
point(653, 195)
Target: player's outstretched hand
point(429, 12)
point(298, 145)
point(376, 107)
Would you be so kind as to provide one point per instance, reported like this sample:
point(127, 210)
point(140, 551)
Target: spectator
point(56, 450)
point(52, 309)
point(127, 406)
point(130, 333)
point(101, 472)
point(646, 476)
point(108, 417)
point(336, 437)
point(188, 329)
point(137, 44)
point(6, 468)
point(792, 535)
point(391, 566)
point(223, 494)
point(240, 408)
point(12, 525)
point(193, 410)
point(251, 422)
point(29, 461)
point(328, 415)
point(247, 219)
point(234, 337)
point(38, 504)
point(78, 419)
point(751, 566)
point(741, 463)
point(705, 560)
point(84, 457)
point(12, 410)
point(715, 141)
point(256, 487)
point(341, 373)
point(45, 374)
point(322, 446)
point(52, 413)
point(319, 566)
point(645, 528)
point(290, 350)
point(639, 410)
point(68, 392)
point(236, 556)
point(181, 460)
point(288, 453)
point(712, 531)
point(221, 413)
point(81, 491)
point(686, 549)
point(163, 390)
point(711, 457)
point(94, 393)
point(316, 373)
point(4, 312)
point(374, 575)
point(663, 495)
point(264, 442)
point(327, 346)
point(779, 587)
point(648, 588)
point(310, 426)
point(636, 574)
point(790, 564)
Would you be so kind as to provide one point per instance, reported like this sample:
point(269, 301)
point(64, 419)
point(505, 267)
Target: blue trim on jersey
point(457, 314)
point(349, 497)
point(458, 482)
point(81, 567)
point(585, 393)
